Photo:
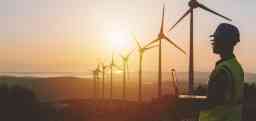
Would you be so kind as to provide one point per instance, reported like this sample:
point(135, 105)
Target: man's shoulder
point(229, 65)
point(229, 69)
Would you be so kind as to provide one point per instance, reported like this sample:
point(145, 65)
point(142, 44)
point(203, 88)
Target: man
point(225, 87)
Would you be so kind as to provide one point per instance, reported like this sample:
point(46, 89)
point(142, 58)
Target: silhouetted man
point(225, 87)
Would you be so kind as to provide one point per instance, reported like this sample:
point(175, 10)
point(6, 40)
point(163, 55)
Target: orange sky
point(72, 36)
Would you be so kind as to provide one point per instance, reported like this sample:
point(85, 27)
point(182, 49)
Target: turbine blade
point(209, 10)
point(121, 56)
point(114, 65)
point(182, 17)
point(129, 54)
point(152, 42)
point(104, 66)
point(162, 23)
point(151, 47)
point(175, 45)
point(135, 39)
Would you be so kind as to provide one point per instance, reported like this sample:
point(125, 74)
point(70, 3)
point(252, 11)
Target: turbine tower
point(192, 5)
point(141, 50)
point(162, 36)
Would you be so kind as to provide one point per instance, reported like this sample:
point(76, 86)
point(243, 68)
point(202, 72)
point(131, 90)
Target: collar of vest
point(225, 59)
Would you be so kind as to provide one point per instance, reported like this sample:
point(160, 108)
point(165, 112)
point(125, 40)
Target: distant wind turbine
point(159, 39)
point(192, 5)
point(95, 79)
point(125, 59)
point(104, 67)
point(141, 50)
point(112, 64)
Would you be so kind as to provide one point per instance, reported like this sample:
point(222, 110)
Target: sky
point(75, 35)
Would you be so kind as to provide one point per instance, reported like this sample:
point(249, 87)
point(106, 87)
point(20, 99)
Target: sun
point(119, 41)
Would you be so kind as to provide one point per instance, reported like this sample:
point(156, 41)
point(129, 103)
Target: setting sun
point(120, 41)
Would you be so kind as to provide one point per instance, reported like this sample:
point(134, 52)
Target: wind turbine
point(125, 59)
point(104, 67)
point(162, 36)
point(192, 5)
point(112, 64)
point(141, 50)
point(95, 79)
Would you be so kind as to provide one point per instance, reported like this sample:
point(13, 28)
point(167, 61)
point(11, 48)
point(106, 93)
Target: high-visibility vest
point(232, 109)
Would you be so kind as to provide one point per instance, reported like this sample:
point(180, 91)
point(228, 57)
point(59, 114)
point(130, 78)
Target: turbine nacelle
point(104, 67)
point(142, 50)
point(126, 57)
point(161, 35)
point(193, 4)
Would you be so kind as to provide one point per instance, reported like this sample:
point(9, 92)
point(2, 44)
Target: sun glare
point(119, 41)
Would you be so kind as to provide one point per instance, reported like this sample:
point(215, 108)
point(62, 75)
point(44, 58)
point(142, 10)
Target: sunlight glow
point(120, 41)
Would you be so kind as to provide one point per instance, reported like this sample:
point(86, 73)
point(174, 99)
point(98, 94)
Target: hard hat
point(226, 32)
